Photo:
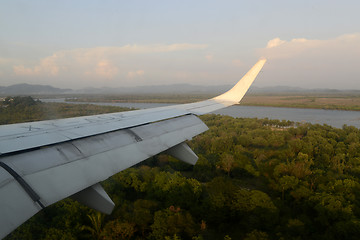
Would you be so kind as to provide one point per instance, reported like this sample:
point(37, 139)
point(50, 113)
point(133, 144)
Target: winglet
point(235, 94)
point(231, 97)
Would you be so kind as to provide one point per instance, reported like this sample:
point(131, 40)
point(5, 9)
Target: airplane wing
point(44, 162)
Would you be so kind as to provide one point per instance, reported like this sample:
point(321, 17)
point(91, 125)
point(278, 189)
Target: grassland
point(25, 109)
point(142, 98)
point(330, 102)
point(343, 101)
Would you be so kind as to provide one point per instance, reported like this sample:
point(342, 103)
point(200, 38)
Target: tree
point(256, 235)
point(142, 214)
point(286, 183)
point(248, 200)
point(119, 230)
point(227, 162)
point(95, 229)
point(169, 223)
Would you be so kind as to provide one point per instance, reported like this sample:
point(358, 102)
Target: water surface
point(335, 118)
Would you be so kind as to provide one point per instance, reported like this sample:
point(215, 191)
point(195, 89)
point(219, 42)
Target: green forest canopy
point(255, 179)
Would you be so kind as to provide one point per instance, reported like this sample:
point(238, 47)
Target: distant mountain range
point(29, 89)
point(287, 89)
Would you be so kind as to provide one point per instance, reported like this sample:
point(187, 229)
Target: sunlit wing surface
point(47, 161)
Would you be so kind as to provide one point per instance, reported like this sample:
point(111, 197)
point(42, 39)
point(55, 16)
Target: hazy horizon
point(183, 87)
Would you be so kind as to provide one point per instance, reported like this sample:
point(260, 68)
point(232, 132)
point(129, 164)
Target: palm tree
point(95, 229)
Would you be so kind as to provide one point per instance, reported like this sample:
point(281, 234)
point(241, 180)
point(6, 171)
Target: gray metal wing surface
point(44, 162)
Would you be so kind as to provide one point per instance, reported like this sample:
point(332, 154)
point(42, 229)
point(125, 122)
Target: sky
point(87, 43)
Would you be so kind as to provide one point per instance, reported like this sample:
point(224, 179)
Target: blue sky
point(76, 44)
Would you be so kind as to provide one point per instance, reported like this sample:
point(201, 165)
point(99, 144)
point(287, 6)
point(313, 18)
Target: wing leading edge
point(44, 162)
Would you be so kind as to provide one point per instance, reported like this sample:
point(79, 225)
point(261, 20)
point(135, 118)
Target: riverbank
point(335, 118)
point(328, 102)
point(345, 102)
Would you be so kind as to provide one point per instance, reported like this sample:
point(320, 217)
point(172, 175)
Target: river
point(335, 118)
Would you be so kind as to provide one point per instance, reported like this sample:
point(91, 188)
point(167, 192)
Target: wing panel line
point(28, 189)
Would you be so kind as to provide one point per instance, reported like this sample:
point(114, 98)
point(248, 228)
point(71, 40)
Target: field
point(334, 102)
point(141, 98)
point(342, 101)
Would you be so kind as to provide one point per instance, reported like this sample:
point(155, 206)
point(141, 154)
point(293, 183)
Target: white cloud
point(314, 63)
point(22, 71)
point(103, 62)
point(82, 54)
point(275, 42)
point(281, 49)
point(237, 63)
point(48, 67)
point(5, 61)
point(106, 69)
point(209, 57)
point(135, 74)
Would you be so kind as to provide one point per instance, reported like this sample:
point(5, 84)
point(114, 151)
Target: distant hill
point(295, 90)
point(29, 89)
point(169, 89)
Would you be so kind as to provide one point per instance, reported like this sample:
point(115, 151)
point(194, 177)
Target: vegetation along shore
point(347, 102)
point(255, 179)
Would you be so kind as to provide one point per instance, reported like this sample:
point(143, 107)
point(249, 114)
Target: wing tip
point(235, 94)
